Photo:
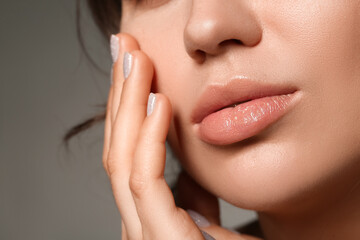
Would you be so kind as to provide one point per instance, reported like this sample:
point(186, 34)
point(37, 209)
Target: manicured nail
point(114, 47)
point(151, 103)
point(199, 219)
point(127, 64)
point(206, 235)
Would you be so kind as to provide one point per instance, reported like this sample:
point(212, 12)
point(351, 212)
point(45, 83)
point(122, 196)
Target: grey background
point(47, 86)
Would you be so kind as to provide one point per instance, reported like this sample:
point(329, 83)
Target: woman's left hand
point(134, 157)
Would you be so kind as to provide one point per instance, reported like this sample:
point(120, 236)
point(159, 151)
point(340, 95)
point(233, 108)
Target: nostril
point(229, 41)
point(237, 41)
point(199, 52)
point(199, 56)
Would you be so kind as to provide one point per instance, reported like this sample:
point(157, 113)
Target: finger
point(131, 113)
point(123, 232)
point(107, 131)
point(128, 121)
point(153, 198)
point(192, 196)
point(121, 43)
point(218, 232)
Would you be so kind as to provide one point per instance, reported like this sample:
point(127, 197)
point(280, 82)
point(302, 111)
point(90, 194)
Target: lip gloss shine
point(233, 124)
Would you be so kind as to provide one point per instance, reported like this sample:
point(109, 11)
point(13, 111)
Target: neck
point(321, 216)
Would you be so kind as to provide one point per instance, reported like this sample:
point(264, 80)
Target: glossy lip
point(237, 90)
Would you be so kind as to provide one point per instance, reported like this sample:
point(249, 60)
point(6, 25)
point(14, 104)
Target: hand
point(134, 155)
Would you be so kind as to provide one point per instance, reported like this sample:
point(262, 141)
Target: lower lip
point(234, 124)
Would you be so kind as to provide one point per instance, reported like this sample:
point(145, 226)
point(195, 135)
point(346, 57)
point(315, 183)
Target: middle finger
point(120, 43)
point(128, 122)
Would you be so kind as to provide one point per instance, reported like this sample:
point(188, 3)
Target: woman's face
point(313, 150)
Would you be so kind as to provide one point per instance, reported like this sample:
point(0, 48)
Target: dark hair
point(107, 16)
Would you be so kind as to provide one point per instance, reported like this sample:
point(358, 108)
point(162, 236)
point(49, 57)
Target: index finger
point(120, 44)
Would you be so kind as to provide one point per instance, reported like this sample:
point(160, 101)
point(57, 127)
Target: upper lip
point(237, 90)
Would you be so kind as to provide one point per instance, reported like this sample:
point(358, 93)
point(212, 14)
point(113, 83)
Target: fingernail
point(199, 219)
point(206, 235)
point(114, 47)
point(151, 103)
point(127, 64)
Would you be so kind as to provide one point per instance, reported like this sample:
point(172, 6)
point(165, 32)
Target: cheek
point(322, 48)
point(326, 34)
point(171, 63)
point(163, 43)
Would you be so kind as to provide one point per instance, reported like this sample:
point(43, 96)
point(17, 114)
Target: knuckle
point(137, 184)
point(111, 166)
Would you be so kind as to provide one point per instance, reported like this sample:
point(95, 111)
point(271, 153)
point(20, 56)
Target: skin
point(301, 174)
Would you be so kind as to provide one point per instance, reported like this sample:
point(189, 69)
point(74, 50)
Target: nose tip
point(199, 38)
point(213, 27)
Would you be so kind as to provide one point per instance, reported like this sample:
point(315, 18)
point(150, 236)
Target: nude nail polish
point(151, 103)
point(199, 219)
point(127, 64)
point(207, 236)
point(114, 47)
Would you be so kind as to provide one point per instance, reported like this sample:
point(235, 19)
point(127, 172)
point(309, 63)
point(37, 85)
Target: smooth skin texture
point(134, 157)
point(302, 173)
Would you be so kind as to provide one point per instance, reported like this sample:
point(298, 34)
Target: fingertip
point(120, 43)
point(114, 47)
point(128, 41)
point(159, 102)
point(151, 104)
point(142, 63)
point(198, 219)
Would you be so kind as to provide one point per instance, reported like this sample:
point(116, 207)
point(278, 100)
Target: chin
point(285, 176)
point(263, 177)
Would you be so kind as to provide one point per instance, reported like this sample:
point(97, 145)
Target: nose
point(214, 25)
